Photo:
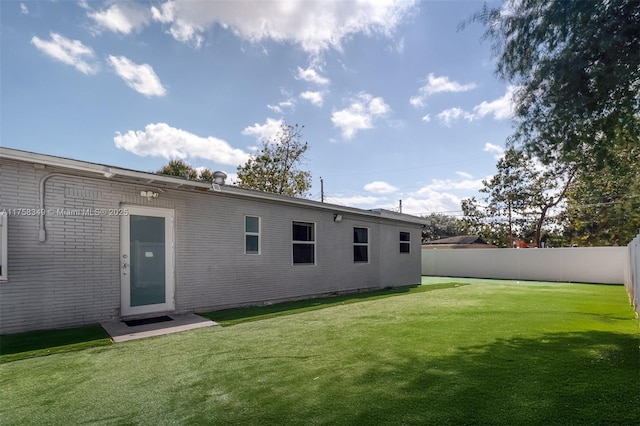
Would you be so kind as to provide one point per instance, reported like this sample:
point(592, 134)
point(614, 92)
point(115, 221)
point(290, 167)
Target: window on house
point(251, 235)
point(360, 245)
point(3, 245)
point(405, 242)
point(304, 243)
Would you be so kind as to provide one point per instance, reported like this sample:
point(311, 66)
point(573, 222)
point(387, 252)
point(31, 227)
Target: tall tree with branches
point(524, 192)
point(275, 167)
point(577, 68)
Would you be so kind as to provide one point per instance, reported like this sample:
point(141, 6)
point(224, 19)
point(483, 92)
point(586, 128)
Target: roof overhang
point(119, 174)
point(105, 171)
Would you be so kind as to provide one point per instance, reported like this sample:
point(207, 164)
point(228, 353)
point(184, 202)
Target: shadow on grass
point(582, 378)
point(31, 344)
point(38, 343)
point(227, 317)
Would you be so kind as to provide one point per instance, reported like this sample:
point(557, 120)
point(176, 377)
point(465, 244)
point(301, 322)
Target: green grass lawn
point(501, 353)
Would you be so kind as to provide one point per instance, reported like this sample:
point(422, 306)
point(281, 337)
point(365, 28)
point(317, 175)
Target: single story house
point(83, 243)
point(459, 242)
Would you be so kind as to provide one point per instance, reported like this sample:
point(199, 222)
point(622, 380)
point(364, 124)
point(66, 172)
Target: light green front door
point(146, 263)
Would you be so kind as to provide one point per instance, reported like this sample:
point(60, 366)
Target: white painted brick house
point(82, 243)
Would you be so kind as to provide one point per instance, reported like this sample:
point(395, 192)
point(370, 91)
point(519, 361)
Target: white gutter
point(106, 171)
point(377, 213)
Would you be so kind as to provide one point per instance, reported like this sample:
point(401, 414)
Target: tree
point(206, 175)
point(179, 168)
point(477, 221)
point(577, 68)
point(274, 169)
point(523, 193)
point(182, 169)
point(603, 206)
point(441, 226)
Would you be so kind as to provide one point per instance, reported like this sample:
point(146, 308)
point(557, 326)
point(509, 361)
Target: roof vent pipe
point(219, 177)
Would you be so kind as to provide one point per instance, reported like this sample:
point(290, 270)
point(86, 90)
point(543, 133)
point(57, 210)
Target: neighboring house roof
point(462, 241)
point(118, 174)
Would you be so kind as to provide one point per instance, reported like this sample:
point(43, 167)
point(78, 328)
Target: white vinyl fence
point(632, 278)
point(605, 265)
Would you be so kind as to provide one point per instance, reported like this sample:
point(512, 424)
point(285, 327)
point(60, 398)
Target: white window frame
point(299, 242)
point(255, 234)
point(361, 244)
point(403, 242)
point(4, 230)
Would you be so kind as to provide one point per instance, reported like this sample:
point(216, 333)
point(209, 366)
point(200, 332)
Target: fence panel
point(604, 265)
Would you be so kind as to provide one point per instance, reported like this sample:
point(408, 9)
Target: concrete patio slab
point(121, 332)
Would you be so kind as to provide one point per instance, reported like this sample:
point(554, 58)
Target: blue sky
point(397, 103)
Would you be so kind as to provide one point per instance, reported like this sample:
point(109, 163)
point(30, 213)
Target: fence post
point(633, 273)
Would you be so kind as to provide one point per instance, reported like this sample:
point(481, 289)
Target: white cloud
point(122, 18)
point(438, 85)
point(379, 187)
point(354, 201)
point(377, 106)
point(315, 26)
point(162, 140)
point(24, 9)
point(70, 52)
point(360, 115)
point(266, 131)
point(439, 196)
point(452, 114)
point(311, 75)
point(183, 19)
point(140, 78)
point(500, 108)
point(497, 150)
point(289, 104)
point(448, 185)
point(432, 202)
point(398, 47)
point(426, 118)
point(315, 98)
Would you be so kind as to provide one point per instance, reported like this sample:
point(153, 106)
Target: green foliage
point(521, 196)
point(181, 169)
point(477, 221)
point(441, 226)
point(274, 169)
point(603, 205)
point(206, 175)
point(178, 168)
point(577, 66)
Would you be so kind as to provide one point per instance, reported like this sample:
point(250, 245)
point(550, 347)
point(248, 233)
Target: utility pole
point(400, 207)
point(321, 190)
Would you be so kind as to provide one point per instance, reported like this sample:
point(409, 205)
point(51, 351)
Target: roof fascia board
point(67, 163)
point(104, 170)
point(379, 214)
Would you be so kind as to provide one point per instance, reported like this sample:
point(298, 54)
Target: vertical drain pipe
point(42, 233)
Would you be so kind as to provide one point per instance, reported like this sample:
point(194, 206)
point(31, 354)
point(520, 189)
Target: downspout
point(42, 233)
